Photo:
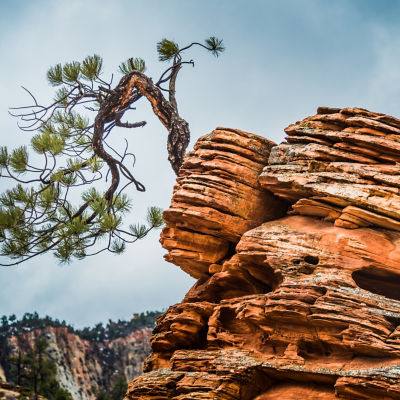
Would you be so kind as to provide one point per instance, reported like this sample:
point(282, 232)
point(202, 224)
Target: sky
point(283, 59)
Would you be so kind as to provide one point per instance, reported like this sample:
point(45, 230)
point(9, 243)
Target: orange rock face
point(217, 198)
point(296, 248)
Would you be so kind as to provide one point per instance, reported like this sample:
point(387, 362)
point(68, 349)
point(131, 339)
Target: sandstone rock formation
point(296, 248)
point(217, 198)
point(340, 165)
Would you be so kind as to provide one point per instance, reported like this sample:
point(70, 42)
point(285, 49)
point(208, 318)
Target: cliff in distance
point(87, 361)
point(296, 248)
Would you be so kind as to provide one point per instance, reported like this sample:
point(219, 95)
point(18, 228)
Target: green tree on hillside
point(117, 392)
point(72, 137)
point(112, 330)
point(102, 395)
point(119, 388)
point(19, 364)
point(35, 370)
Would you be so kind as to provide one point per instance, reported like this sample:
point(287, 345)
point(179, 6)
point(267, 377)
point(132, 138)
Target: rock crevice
point(296, 248)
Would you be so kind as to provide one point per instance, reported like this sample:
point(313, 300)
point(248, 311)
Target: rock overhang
point(296, 248)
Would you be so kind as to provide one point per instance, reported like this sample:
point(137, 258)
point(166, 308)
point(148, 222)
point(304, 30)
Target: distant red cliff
point(84, 366)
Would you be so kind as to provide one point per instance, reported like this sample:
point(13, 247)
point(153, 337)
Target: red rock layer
point(340, 164)
point(217, 198)
point(303, 308)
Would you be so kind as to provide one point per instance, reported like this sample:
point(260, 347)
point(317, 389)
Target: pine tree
point(102, 395)
point(119, 388)
point(35, 370)
point(19, 366)
point(71, 135)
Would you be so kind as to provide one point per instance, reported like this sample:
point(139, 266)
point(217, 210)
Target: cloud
point(282, 60)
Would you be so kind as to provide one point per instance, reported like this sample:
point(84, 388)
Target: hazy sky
point(283, 59)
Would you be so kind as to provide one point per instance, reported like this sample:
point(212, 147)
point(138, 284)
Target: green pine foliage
point(18, 159)
point(35, 370)
point(102, 395)
point(71, 72)
point(91, 67)
point(119, 388)
point(154, 217)
point(55, 75)
point(58, 204)
point(133, 64)
point(215, 45)
point(167, 50)
point(38, 218)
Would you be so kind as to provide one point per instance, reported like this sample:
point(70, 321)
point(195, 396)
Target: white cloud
point(283, 59)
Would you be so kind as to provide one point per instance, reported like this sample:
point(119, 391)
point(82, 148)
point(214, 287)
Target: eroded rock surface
point(217, 198)
point(340, 164)
point(83, 366)
point(296, 248)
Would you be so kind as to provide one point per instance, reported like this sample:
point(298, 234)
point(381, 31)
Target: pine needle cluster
point(56, 204)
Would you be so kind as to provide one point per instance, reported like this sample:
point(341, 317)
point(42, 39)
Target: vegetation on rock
point(88, 361)
point(35, 370)
point(117, 392)
point(113, 329)
point(303, 300)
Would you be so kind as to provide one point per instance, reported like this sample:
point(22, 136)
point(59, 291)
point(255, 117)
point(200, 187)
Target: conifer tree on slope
point(35, 370)
point(38, 214)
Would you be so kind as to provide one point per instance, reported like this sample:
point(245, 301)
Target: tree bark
point(117, 102)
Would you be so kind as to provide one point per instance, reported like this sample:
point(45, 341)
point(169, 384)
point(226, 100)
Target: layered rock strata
point(83, 366)
point(303, 299)
point(217, 198)
point(342, 165)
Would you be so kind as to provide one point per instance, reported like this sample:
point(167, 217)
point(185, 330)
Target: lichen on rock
point(296, 248)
